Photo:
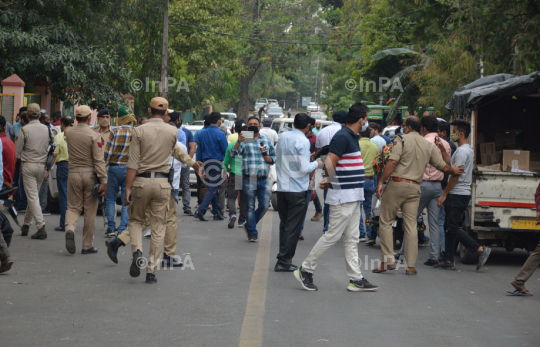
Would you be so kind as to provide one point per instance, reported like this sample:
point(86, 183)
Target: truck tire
point(273, 200)
point(467, 257)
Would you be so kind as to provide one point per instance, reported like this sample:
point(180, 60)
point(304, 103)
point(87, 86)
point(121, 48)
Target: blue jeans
point(116, 180)
point(442, 216)
point(260, 190)
point(61, 181)
point(213, 179)
point(369, 190)
point(326, 213)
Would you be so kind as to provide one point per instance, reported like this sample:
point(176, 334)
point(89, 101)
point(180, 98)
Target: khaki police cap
point(33, 110)
point(159, 104)
point(83, 111)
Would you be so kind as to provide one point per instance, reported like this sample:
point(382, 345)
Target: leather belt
point(156, 175)
point(398, 179)
point(434, 181)
point(368, 177)
point(116, 164)
point(247, 177)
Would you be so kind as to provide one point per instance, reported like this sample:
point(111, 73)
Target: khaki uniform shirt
point(33, 142)
point(151, 146)
point(85, 150)
point(180, 155)
point(105, 135)
point(413, 153)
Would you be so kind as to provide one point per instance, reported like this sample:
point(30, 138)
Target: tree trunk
point(165, 53)
point(245, 107)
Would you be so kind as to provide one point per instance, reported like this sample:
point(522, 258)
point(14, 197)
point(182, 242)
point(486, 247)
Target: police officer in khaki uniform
point(104, 126)
point(405, 168)
point(85, 161)
point(147, 180)
point(171, 226)
point(32, 145)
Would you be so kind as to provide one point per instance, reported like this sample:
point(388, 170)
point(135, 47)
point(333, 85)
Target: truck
point(504, 112)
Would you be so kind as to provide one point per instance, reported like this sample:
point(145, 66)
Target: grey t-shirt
point(463, 155)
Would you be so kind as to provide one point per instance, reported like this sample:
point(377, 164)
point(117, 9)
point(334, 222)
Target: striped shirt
point(348, 182)
point(117, 148)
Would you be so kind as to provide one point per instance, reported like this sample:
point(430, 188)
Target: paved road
point(51, 298)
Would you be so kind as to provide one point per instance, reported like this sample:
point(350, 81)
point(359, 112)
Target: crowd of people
point(424, 167)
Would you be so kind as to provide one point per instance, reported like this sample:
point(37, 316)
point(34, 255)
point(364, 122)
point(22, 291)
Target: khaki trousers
point(528, 268)
point(81, 181)
point(171, 232)
point(33, 175)
point(344, 221)
point(407, 197)
point(152, 194)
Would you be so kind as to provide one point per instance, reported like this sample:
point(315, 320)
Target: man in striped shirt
point(116, 156)
point(345, 183)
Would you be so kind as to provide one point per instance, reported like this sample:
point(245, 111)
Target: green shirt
point(236, 162)
point(369, 151)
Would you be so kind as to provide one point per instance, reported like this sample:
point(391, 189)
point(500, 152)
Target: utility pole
point(165, 53)
point(316, 78)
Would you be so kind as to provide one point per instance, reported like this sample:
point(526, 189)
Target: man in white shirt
point(323, 139)
point(267, 132)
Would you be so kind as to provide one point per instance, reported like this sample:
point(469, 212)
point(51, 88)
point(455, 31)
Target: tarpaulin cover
point(467, 96)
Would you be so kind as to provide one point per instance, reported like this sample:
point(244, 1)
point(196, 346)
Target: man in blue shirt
point(293, 171)
point(211, 151)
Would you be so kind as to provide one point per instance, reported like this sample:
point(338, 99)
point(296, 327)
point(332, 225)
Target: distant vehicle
point(272, 102)
point(285, 124)
point(313, 107)
point(228, 115)
point(274, 112)
point(390, 131)
point(262, 101)
point(318, 115)
point(198, 122)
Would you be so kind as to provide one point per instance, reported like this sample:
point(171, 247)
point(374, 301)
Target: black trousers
point(454, 206)
point(292, 208)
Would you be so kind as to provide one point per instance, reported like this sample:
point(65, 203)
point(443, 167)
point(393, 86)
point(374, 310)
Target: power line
point(265, 40)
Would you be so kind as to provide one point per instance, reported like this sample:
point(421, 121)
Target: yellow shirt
point(232, 138)
point(369, 151)
point(61, 150)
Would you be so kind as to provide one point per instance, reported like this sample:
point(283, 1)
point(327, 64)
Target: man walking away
point(456, 198)
point(405, 168)
point(266, 131)
point(116, 156)
point(293, 175)
point(345, 183)
point(212, 148)
point(60, 159)
point(376, 138)
point(32, 148)
point(233, 166)
point(256, 158)
point(85, 164)
point(369, 152)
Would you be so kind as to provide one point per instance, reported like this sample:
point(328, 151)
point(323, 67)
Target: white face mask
point(364, 127)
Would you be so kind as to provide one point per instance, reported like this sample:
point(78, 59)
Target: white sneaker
point(147, 234)
point(362, 239)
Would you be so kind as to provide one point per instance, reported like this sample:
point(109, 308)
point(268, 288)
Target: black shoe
point(252, 238)
point(199, 216)
point(306, 279)
point(25, 229)
point(112, 248)
point(188, 213)
point(59, 229)
point(70, 242)
point(136, 264)
point(446, 265)
point(151, 279)
point(89, 250)
point(361, 286)
point(41, 234)
point(431, 262)
point(483, 257)
point(168, 261)
point(285, 268)
point(218, 217)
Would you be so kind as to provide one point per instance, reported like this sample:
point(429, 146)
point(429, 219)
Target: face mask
point(454, 137)
point(104, 122)
point(364, 127)
point(255, 129)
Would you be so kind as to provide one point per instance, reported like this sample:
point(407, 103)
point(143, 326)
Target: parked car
point(312, 106)
point(285, 124)
point(198, 122)
point(274, 112)
point(229, 116)
point(390, 131)
point(318, 115)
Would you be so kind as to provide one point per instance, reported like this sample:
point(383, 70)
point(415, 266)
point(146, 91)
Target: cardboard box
point(505, 141)
point(496, 167)
point(516, 159)
point(488, 154)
